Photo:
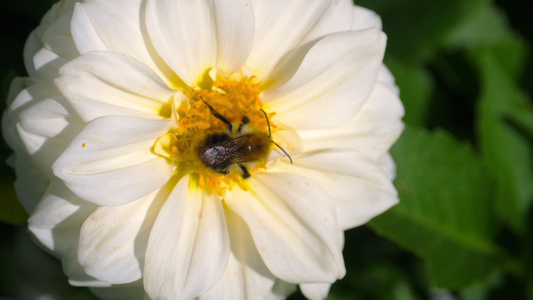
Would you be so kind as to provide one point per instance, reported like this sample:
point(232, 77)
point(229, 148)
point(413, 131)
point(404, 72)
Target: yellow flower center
point(221, 135)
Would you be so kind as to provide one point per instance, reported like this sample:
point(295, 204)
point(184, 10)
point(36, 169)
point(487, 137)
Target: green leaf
point(416, 86)
point(484, 26)
point(511, 55)
point(522, 121)
point(481, 291)
point(445, 213)
point(502, 109)
point(416, 28)
point(377, 269)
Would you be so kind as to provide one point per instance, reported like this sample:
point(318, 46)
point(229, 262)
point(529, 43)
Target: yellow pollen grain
point(233, 99)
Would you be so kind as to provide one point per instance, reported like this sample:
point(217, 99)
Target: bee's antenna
point(283, 150)
point(218, 116)
point(268, 123)
point(270, 135)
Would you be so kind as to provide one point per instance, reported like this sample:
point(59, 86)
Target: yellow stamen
point(231, 99)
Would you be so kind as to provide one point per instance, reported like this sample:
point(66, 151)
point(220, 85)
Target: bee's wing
point(235, 149)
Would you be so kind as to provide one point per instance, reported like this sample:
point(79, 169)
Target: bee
point(223, 150)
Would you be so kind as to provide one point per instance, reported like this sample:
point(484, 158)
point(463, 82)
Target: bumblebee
point(224, 150)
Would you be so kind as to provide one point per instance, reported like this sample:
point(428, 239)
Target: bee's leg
point(219, 116)
point(245, 120)
point(245, 173)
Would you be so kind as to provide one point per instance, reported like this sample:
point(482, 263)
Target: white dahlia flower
point(210, 149)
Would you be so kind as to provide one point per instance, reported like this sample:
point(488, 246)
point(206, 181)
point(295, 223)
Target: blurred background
point(464, 227)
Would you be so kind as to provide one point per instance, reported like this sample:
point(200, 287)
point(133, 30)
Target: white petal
point(315, 291)
point(343, 15)
point(58, 39)
point(31, 182)
point(294, 227)
point(279, 27)
point(189, 245)
point(183, 34)
point(32, 45)
point(281, 290)
point(32, 90)
point(47, 63)
point(111, 163)
point(58, 10)
point(234, 23)
point(32, 178)
point(84, 34)
point(288, 139)
point(58, 212)
point(372, 131)
point(113, 240)
point(106, 83)
point(74, 271)
point(364, 18)
point(47, 117)
point(46, 127)
point(16, 87)
point(359, 186)
point(10, 135)
point(52, 32)
point(386, 79)
point(332, 82)
point(337, 18)
point(387, 164)
point(117, 26)
point(18, 99)
point(246, 275)
point(56, 223)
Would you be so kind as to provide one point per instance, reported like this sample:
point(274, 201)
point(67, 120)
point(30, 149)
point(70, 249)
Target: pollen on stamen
point(233, 101)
